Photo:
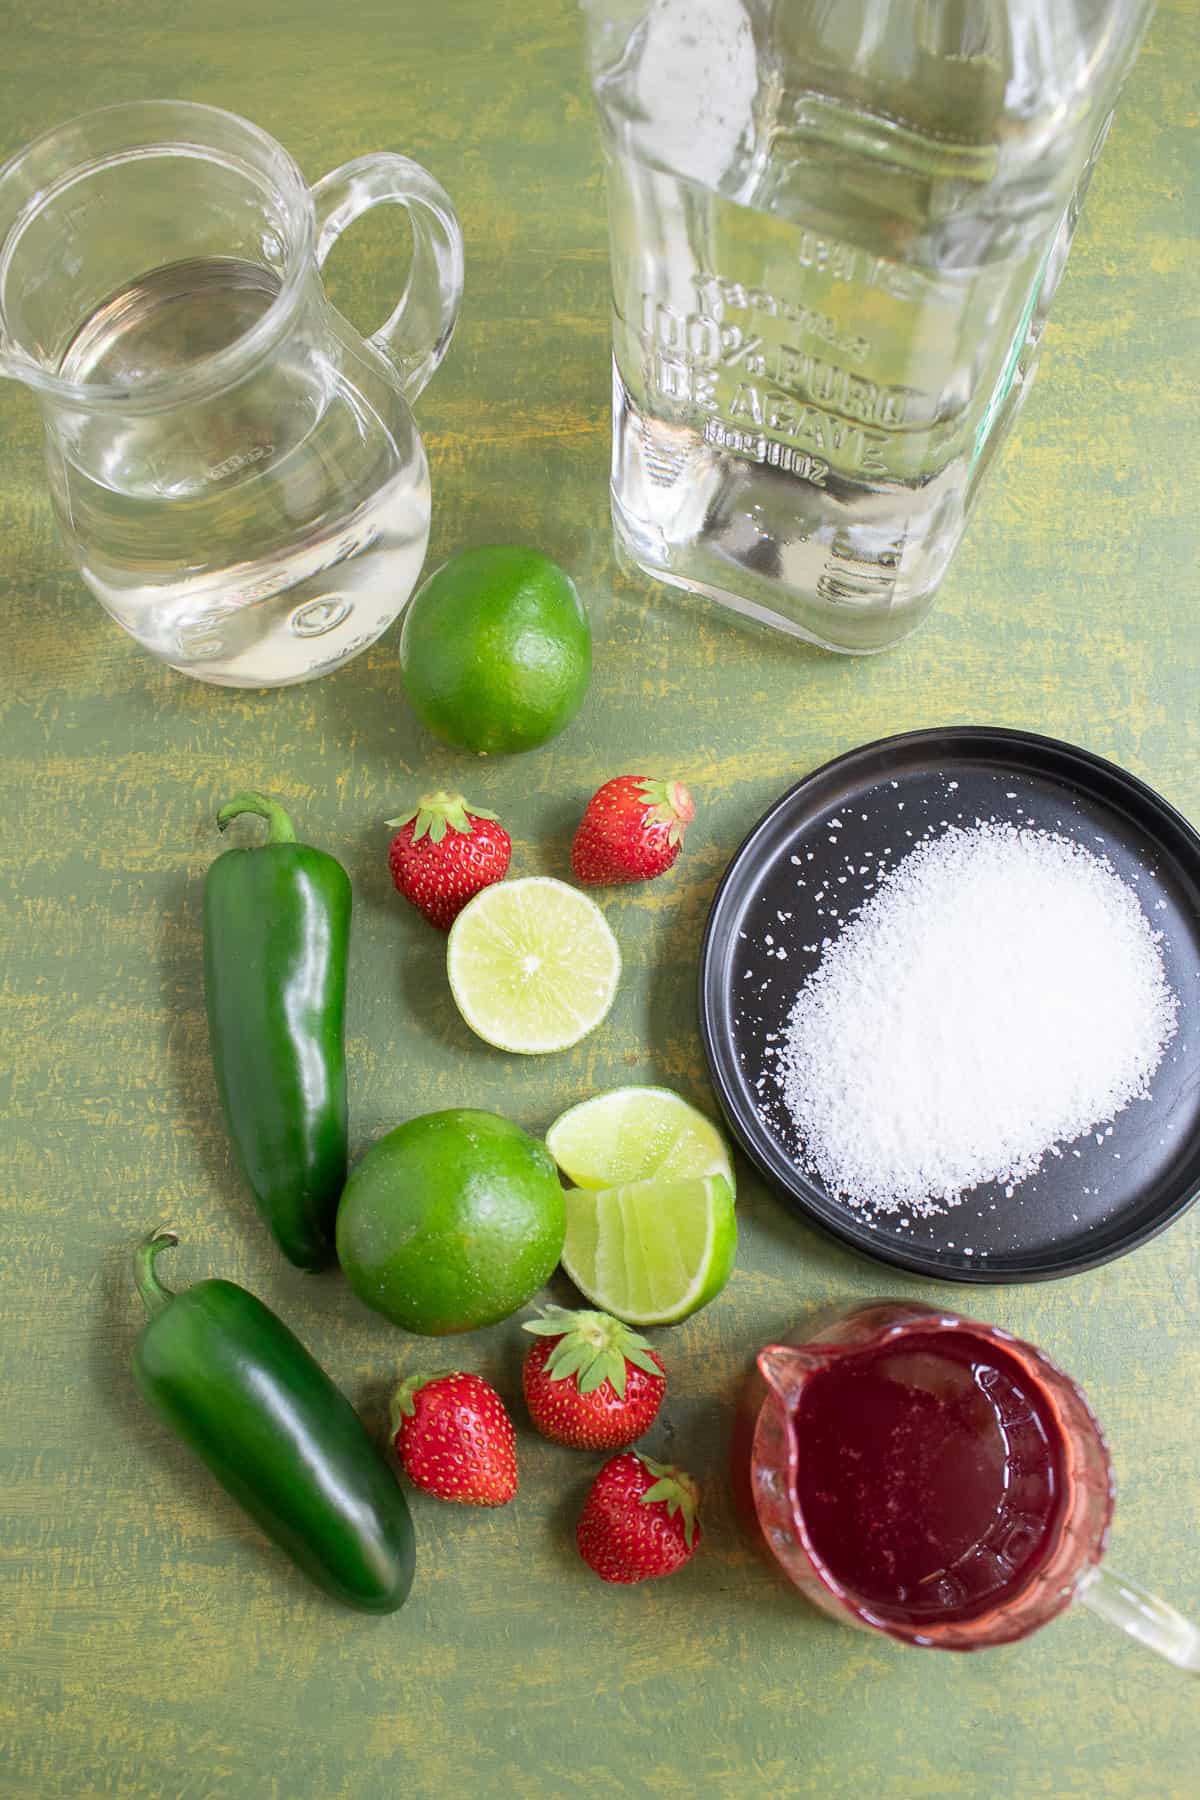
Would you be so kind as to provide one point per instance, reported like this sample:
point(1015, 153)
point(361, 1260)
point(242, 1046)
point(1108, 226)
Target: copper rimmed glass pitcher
point(235, 469)
point(920, 1474)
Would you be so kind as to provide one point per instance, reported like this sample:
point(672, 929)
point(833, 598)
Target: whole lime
point(451, 1221)
point(495, 650)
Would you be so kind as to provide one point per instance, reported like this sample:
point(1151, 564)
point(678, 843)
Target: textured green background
point(149, 1643)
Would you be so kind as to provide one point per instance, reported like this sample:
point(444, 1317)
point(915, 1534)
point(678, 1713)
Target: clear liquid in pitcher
point(264, 534)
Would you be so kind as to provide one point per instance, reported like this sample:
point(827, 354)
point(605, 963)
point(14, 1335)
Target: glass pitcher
point(836, 231)
point(920, 1474)
point(234, 468)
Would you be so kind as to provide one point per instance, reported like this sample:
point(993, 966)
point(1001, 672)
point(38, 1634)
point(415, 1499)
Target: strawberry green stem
point(592, 1347)
point(154, 1294)
point(397, 1412)
point(677, 1490)
point(280, 829)
point(434, 813)
point(402, 1405)
point(670, 804)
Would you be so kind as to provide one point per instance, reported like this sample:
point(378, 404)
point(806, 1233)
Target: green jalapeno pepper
point(276, 937)
point(245, 1395)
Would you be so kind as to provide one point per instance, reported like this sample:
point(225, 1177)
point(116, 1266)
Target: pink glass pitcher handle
point(417, 335)
point(1143, 1615)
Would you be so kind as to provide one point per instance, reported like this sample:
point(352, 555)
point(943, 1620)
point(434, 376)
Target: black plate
point(1079, 1210)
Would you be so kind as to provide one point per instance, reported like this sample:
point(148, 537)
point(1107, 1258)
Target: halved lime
point(632, 1133)
point(651, 1252)
point(533, 965)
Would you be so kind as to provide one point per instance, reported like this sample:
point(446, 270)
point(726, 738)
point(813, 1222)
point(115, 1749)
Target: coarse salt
point(1000, 994)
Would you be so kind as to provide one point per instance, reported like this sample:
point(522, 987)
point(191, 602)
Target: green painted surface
point(150, 1644)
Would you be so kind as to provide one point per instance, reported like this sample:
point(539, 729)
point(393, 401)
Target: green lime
point(533, 965)
point(653, 1251)
point(631, 1133)
point(495, 650)
point(450, 1222)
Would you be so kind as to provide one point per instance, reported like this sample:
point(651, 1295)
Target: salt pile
point(1000, 994)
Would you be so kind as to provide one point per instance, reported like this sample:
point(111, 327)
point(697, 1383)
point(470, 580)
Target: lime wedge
point(533, 965)
point(632, 1133)
point(651, 1252)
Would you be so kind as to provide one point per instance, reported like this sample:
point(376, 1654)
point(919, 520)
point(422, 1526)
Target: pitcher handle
point(417, 335)
point(1144, 1616)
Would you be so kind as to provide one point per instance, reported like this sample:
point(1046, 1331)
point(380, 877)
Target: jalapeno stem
point(155, 1295)
point(280, 829)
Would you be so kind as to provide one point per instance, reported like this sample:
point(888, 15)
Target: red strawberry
point(590, 1381)
point(454, 1438)
point(639, 1520)
point(444, 852)
point(631, 830)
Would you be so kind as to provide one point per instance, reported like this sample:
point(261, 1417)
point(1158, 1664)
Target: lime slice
point(632, 1133)
point(651, 1252)
point(533, 965)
